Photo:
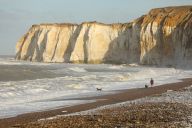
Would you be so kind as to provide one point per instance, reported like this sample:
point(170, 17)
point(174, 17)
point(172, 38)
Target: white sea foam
point(12, 61)
point(77, 69)
point(75, 81)
point(10, 111)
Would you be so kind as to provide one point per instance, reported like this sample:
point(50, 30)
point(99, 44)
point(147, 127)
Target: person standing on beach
point(151, 82)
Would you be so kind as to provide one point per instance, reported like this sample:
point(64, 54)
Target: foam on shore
point(73, 81)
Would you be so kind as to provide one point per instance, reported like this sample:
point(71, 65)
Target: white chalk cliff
point(163, 36)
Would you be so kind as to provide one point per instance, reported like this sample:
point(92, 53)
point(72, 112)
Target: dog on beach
point(99, 89)
point(146, 86)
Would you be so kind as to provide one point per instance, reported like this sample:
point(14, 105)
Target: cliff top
point(167, 9)
point(169, 16)
point(74, 24)
point(172, 15)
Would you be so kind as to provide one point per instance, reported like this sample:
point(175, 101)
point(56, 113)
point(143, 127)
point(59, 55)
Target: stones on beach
point(168, 110)
point(141, 115)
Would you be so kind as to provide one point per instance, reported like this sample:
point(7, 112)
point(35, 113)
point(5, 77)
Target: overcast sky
point(17, 16)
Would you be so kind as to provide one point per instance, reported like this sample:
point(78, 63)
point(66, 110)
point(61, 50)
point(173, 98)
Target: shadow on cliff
point(172, 50)
point(32, 47)
point(168, 50)
point(71, 44)
point(122, 50)
point(40, 50)
point(18, 54)
point(85, 47)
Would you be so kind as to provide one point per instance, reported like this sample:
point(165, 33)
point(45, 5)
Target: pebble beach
point(169, 109)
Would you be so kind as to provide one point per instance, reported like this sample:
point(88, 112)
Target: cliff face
point(163, 36)
point(166, 36)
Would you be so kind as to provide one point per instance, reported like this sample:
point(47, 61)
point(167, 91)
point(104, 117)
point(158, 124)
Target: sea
point(33, 86)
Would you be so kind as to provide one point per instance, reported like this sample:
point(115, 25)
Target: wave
point(81, 80)
point(77, 69)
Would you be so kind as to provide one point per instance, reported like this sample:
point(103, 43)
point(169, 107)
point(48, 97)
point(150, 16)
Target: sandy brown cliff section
point(163, 36)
